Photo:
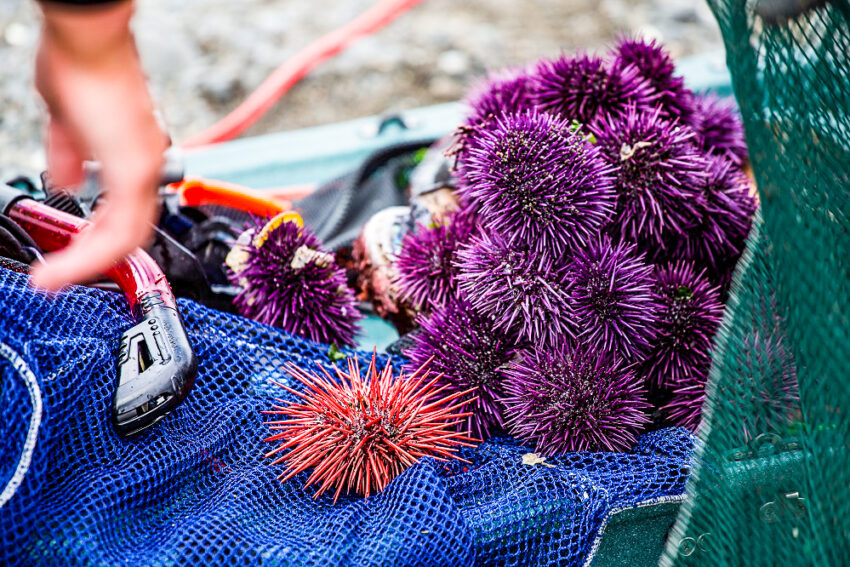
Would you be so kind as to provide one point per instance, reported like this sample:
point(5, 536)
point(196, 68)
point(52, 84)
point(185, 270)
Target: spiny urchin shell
point(717, 239)
point(538, 183)
point(469, 354)
point(654, 64)
point(571, 398)
point(719, 129)
point(359, 432)
point(505, 92)
point(426, 263)
point(520, 289)
point(289, 281)
point(659, 177)
point(690, 312)
point(611, 297)
point(585, 89)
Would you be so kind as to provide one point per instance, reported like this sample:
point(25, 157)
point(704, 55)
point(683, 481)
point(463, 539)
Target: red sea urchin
point(427, 274)
point(359, 432)
point(521, 290)
point(289, 281)
point(585, 89)
point(468, 354)
point(574, 399)
point(659, 177)
point(611, 297)
point(538, 183)
point(690, 312)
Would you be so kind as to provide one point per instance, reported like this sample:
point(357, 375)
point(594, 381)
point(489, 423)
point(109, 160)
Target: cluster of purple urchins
point(289, 281)
point(611, 207)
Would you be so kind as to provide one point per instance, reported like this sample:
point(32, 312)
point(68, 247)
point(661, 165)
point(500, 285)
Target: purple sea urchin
point(685, 406)
point(520, 289)
point(718, 239)
point(574, 399)
point(538, 183)
point(654, 64)
point(289, 281)
point(426, 263)
point(584, 89)
point(611, 298)
point(505, 92)
point(660, 175)
point(690, 312)
point(468, 354)
point(719, 130)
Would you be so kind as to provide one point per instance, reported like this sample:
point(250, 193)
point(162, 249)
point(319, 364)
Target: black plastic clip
point(156, 367)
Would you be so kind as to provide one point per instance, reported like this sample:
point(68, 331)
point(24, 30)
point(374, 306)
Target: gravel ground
point(204, 56)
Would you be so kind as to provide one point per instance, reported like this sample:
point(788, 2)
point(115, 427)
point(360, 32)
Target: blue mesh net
point(196, 490)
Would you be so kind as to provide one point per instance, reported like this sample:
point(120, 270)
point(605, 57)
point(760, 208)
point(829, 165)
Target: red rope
point(293, 70)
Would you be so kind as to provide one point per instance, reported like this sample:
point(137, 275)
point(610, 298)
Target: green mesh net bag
point(772, 483)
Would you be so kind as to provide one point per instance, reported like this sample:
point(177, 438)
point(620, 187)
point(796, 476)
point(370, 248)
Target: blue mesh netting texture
point(196, 490)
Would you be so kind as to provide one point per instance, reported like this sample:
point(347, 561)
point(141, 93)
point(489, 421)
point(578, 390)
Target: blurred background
point(204, 56)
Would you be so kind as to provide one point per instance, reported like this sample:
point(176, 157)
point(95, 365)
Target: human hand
point(90, 77)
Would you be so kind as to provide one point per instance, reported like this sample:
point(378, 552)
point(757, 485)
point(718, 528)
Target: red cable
point(279, 82)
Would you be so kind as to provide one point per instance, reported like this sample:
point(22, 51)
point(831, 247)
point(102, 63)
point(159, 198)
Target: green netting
point(772, 486)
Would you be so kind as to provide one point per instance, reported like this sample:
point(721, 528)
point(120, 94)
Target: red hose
point(279, 82)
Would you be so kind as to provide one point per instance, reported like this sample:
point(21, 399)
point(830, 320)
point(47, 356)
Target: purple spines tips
point(538, 183)
point(718, 238)
point(571, 398)
point(289, 281)
point(685, 406)
point(520, 289)
point(654, 64)
point(659, 177)
point(690, 312)
point(505, 92)
point(426, 263)
point(468, 354)
point(585, 89)
point(611, 297)
point(719, 129)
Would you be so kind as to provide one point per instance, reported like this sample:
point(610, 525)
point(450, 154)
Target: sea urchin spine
point(359, 432)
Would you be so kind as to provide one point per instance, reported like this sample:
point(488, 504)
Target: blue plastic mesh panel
point(195, 489)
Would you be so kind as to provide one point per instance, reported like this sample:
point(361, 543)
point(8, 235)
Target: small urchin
point(571, 398)
point(611, 298)
point(659, 177)
point(684, 408)
point(290, 282)
point(427, 274)
point(538, 182)
point(357, 432)
point(521, 290)
point(503, 92)
point(467, 353)
point(719, 130)
point(688, 318)
point(654, 64)
point(718, 238)
point(583, 88)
